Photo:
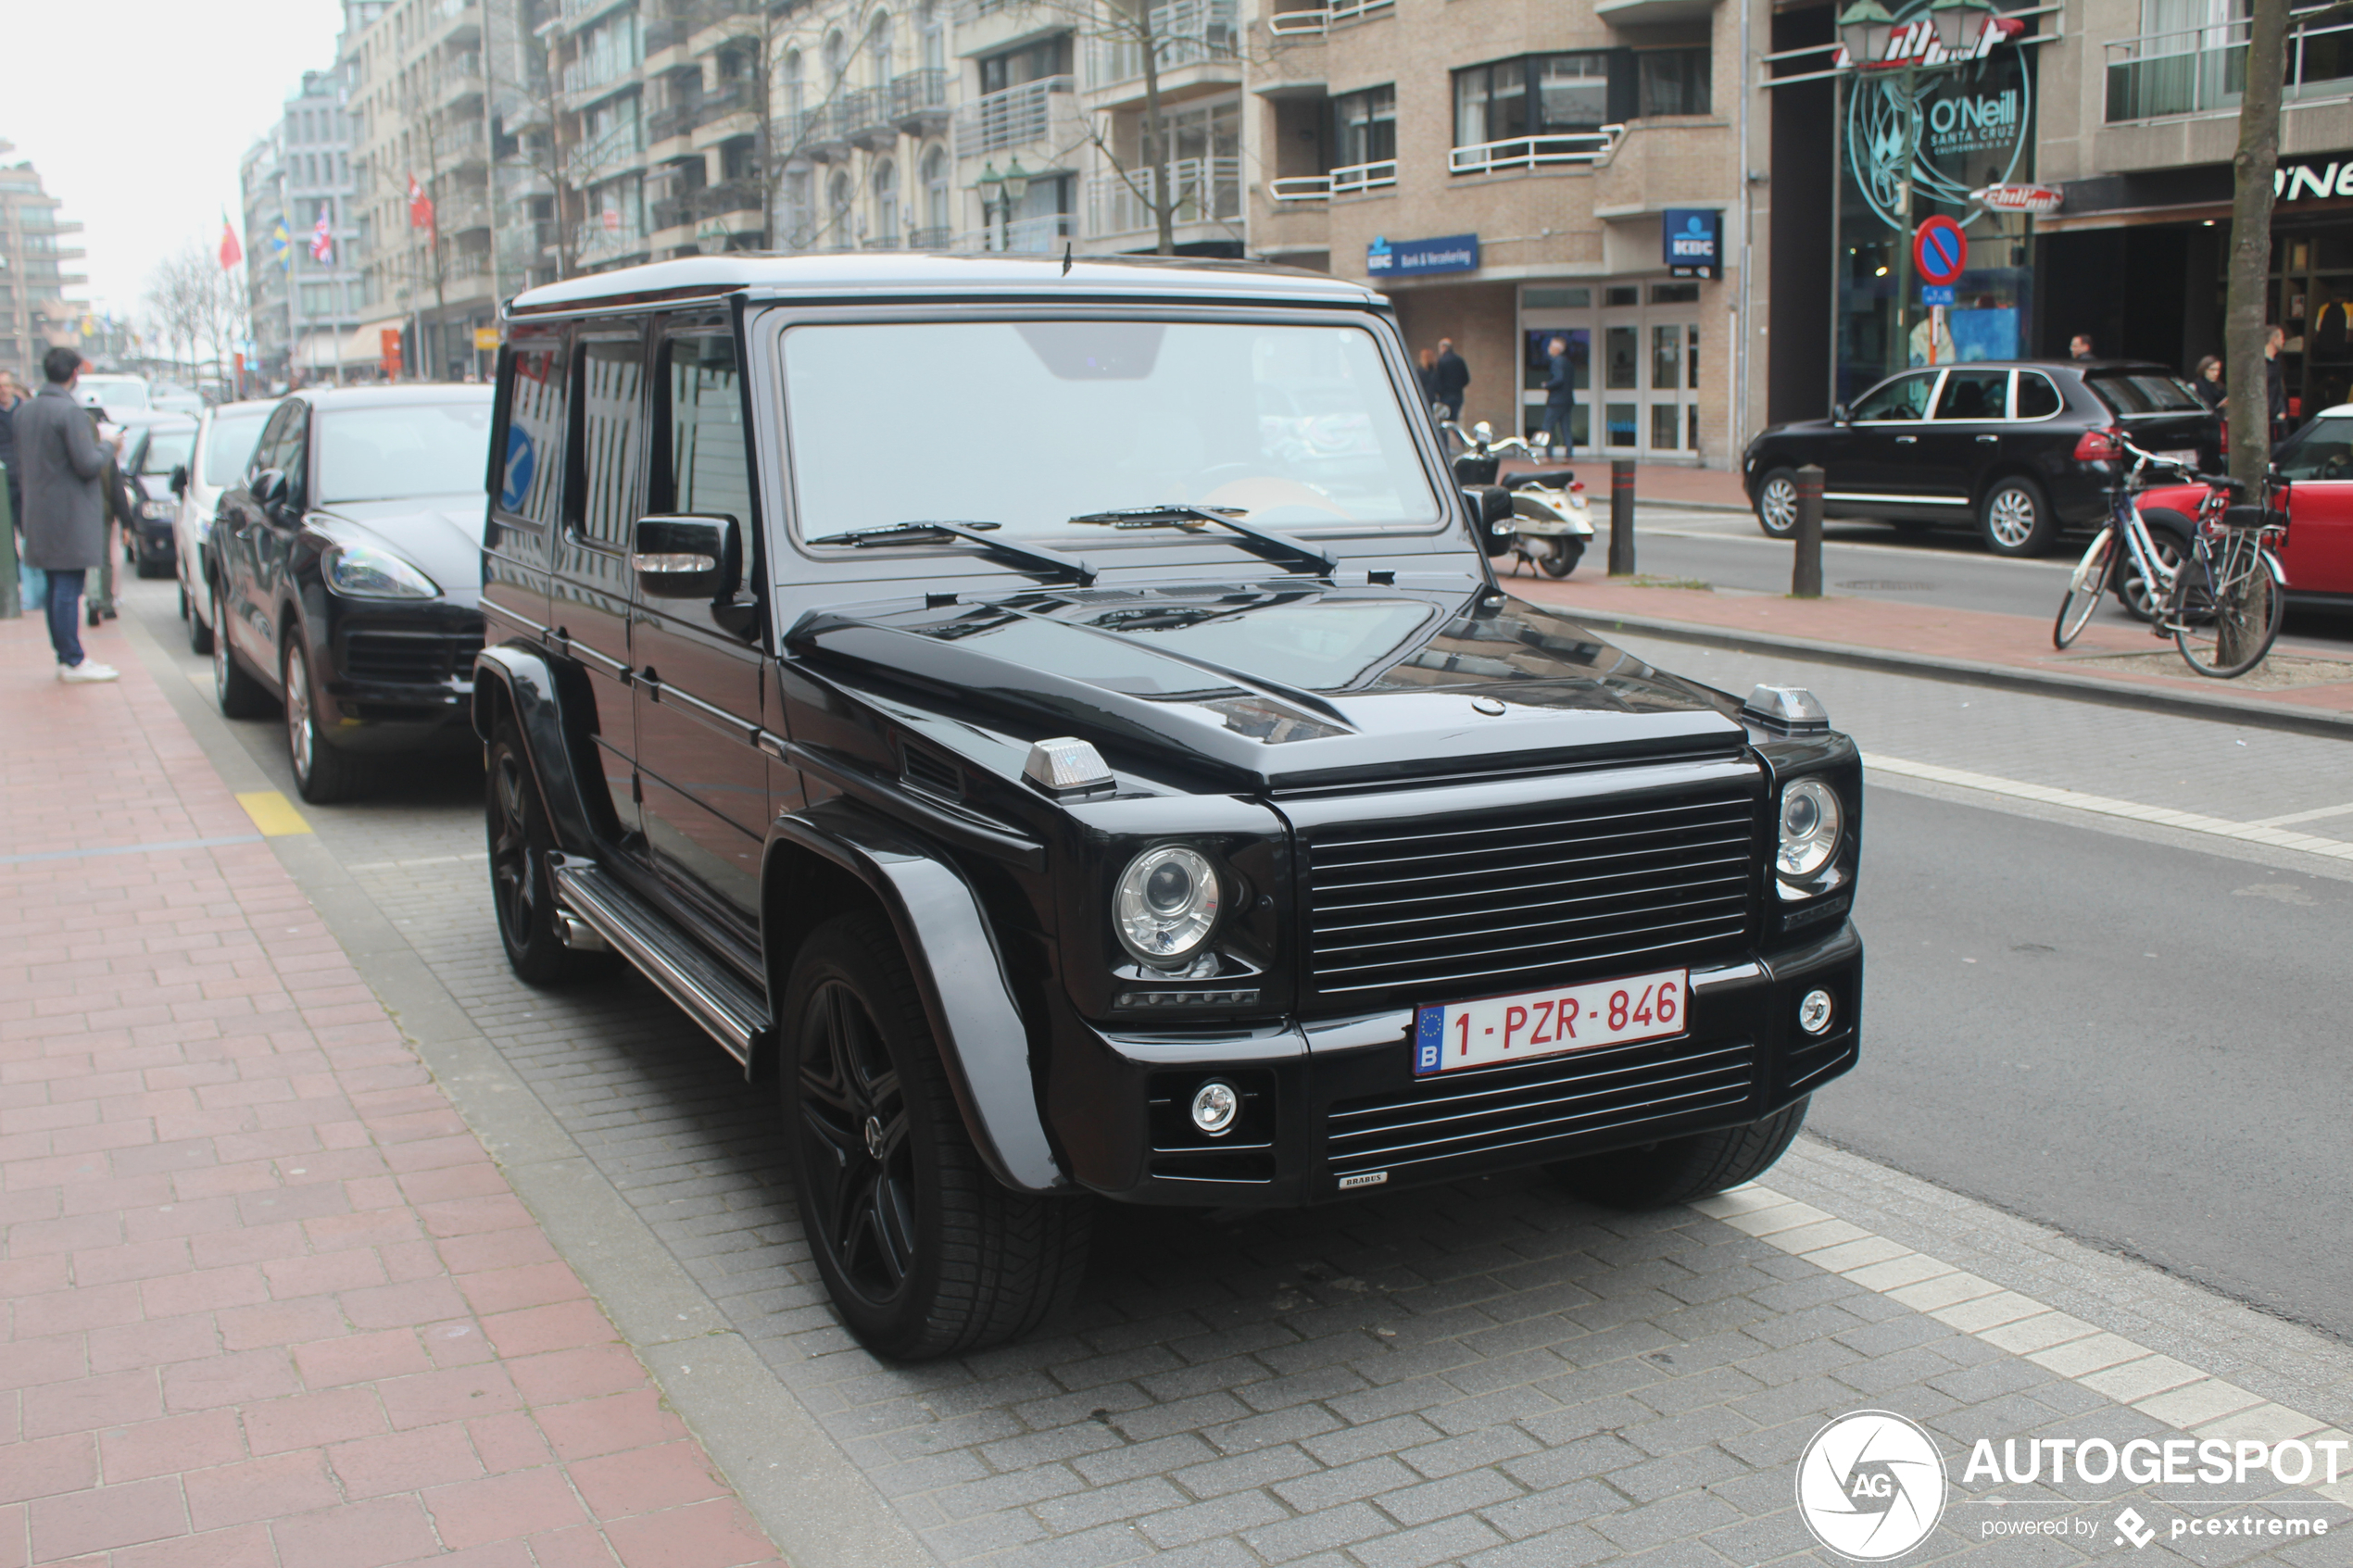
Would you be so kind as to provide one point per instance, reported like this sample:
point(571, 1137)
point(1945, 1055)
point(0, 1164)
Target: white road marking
point(420, 861)
point(2181, 1396)
point(2189, 821)
point(2312, 816)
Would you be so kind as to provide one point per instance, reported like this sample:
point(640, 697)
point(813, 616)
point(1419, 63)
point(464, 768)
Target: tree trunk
point(2243, 328)
point(1164, 198)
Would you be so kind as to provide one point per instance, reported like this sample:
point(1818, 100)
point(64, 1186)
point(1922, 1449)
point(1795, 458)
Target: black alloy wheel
point(924, 1252)
point(238, 693)
point(523, 882)
point(1777, 504)
point(1679, 1170)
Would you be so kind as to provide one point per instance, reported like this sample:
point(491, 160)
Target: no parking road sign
point(1940, 250)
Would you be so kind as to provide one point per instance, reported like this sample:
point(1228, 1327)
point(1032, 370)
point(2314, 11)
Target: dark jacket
point(2213, 393)
point(65, 508)
point(1451, 376)
point(1560, 385)
point(2276, 383)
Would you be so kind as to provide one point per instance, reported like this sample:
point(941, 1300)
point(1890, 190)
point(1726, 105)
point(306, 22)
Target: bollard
point(1621, 517)
point(9, 609)
point(1806, 575)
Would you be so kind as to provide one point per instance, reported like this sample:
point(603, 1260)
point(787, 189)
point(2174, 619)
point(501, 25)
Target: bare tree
point(175, 293)
point(791, 121)
point(2253, 169)
point(522, 71)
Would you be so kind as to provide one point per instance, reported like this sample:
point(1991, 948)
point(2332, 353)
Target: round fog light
point(1813, 1014)
point(1215, 1104)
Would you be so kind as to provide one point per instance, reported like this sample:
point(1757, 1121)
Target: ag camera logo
point(1870, 1486)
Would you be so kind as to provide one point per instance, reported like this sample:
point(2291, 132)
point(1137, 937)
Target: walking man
point(1450, 376)
point(2275, 380)
point(65, 511)
point(1560, 397)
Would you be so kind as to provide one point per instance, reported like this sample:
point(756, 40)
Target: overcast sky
point(136, 112)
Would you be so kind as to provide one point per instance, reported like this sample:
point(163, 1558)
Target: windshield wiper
point(1046, 565)
point(1259, 541)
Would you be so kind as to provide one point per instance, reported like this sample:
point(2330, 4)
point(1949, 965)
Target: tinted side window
point(704, 443)
point(2144, 392)
point(2323, 449)
point(2037, 398)
point(1974, 395)
point(276, 442)
point(1903, 398)
point(530, 467)
point(611, 427)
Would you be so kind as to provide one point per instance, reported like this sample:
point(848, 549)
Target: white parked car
point(114, 393)
point(225, 436)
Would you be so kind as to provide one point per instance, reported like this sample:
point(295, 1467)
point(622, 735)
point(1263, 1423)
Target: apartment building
point(305, 309)
point(36, 311)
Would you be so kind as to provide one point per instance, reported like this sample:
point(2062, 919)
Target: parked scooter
point(1551, 521)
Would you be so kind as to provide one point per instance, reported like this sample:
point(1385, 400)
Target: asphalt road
point(1945, 567)
point(2138, 1046)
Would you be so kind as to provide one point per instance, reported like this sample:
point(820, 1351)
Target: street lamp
point(999, 196)
point(1879, 46)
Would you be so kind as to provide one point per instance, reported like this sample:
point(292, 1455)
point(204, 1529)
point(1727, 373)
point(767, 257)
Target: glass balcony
point(1183, 32)
point(2203, 69)
point(1206, 190)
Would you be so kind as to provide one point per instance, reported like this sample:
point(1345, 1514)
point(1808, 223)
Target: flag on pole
point(282, 245)
point(322, 239)
point(230, 252)
point(420, 205)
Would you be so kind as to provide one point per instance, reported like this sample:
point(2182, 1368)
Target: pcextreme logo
point(1870, 1486)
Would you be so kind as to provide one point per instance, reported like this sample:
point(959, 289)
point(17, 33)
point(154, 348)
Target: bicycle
point(2222, 603)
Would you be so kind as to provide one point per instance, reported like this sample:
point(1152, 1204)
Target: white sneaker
point(88, 672)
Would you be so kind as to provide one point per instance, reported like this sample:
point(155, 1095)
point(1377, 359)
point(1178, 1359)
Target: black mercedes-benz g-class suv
point(979, 697)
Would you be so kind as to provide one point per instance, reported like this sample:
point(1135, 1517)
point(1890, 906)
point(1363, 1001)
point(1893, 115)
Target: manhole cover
point(1882, 585)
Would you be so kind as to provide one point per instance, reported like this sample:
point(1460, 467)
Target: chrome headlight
point(156, 511)
point(1811, 823)
point(1166, 905)
point(365, 573)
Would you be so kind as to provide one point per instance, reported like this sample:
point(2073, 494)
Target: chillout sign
point(2302, 179)
point(1415, 258)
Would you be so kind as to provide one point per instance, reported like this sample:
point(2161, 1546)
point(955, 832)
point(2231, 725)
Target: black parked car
point(158, 444)
point(1109, 794)
point(345, 575)
point(2018, 451)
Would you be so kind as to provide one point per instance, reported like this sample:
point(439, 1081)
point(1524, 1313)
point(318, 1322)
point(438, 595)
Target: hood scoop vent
point(923, 769)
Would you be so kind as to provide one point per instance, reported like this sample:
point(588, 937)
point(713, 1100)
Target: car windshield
point(112, 391)
point(167, 450)
point(395, 451)
point(1029, 424)
point(2323, 449)
point(229, 447)
point(2144, 392)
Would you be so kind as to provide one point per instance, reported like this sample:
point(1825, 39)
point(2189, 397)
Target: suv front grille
point(1482, 1111)
point(1437, 914)
point(408, 657)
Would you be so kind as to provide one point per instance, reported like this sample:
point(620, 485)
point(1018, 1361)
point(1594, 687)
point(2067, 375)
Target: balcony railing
point(728, 97)
point(1183, 32)
point(670, 212)
point(1014, 116)
point(1042, 235)
point(1563, 149)
point(1346, 181)
point(919, 97)
point(863, 116)
point(928, 239)
point(1317, 20)
point(677, 120)
point(1204, 190)
point(733, 195)
point(2203, 69)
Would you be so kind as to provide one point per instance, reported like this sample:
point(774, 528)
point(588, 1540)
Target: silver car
point(225, 437)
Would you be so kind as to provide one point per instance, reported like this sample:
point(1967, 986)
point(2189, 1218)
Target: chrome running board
point(729, 1011)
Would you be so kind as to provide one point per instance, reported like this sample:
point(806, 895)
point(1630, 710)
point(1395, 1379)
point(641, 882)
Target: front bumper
point(1336, 1101)
point(402, 684)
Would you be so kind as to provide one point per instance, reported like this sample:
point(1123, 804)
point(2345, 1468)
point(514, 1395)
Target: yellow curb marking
point(272, 813)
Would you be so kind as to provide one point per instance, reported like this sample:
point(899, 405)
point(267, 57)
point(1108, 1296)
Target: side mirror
point(269, 489)
point(1491, 507)
point(686, 556)
point(179, 479)
point(1839, 414)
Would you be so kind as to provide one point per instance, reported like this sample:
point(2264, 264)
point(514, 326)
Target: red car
point(2317, 553)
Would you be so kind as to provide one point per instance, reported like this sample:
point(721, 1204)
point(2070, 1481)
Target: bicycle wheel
point(2231, 608)
point(2084, 590)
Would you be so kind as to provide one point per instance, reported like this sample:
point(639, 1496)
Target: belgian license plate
point(1452, 1036)
point(2186, 459)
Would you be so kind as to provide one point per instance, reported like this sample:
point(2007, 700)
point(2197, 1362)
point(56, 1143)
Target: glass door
point(1546, 314)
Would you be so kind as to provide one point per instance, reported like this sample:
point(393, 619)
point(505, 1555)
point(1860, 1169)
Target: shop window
point(1690, 362)
point(1624, 294)
point(1673, 294)
point(1663, 423)
point(1621, 363)
point(1667, 362)
point(1618, 424)
point(1365, 127)
point(1691, 411)
point(1673, 81)
point(1558, 299)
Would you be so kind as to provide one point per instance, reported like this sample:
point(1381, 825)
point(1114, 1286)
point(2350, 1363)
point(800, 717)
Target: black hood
point(440, 535)
point(1288, 684)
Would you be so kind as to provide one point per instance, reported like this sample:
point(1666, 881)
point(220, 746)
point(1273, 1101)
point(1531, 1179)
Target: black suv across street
point(1102, 787)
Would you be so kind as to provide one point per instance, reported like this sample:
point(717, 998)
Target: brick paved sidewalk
point(266, 1299)
point(1932, 632)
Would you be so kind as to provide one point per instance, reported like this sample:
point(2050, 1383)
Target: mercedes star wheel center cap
point(873, 1136)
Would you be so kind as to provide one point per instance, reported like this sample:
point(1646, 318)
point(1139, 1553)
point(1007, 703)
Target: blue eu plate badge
point(1429, 1039)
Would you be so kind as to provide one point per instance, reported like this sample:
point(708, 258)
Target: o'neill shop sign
point(2307, 179)
point(1971, 129)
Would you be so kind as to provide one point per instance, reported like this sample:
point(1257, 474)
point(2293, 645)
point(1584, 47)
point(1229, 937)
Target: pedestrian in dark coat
point(11, 394)
point(2275, 380)
point(2208, 382)
point(1560, 396)
point(1451, 377)
point(64, 506)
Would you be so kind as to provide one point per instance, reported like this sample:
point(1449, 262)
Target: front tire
point(523, 881)
point(924, 1252)
point(2017, 519)
point(2083, 589)
point(1679, 1170)
point(1777, 504)
point(323, 774)
point(1563, 558)
point(238, 693)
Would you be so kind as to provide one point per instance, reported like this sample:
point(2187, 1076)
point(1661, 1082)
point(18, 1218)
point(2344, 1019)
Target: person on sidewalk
point(1426, 375)
point(11, 394)
point(64, 518)
point(2275, 380)
point(2078, 347)
point(1451, 378)
point(123, 519)
point(2207, 383)
point(1560, 397)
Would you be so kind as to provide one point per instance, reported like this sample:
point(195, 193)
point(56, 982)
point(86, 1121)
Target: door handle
point(1990, 440)
point(1905, 440)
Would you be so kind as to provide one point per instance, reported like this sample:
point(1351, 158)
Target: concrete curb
point(816, 1505)
point(1932, 667)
